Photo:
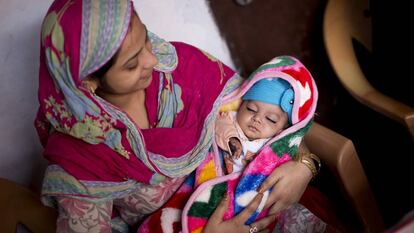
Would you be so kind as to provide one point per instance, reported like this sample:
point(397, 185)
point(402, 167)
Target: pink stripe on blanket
point(230, 193)
point(266, 162)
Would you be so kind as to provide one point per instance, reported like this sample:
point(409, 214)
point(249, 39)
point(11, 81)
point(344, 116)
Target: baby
point(265, 111)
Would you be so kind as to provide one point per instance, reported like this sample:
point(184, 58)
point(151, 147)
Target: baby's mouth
point(252, 128)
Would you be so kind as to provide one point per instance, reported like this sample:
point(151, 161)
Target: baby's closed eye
point(251, 109)
point(272, 120)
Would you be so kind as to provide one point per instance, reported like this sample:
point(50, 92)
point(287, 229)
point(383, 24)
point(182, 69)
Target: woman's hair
point(102, 71)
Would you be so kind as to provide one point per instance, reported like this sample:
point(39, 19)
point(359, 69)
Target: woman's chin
point(146, 81)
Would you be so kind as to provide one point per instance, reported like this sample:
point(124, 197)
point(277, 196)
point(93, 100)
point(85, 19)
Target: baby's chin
point(252, 136)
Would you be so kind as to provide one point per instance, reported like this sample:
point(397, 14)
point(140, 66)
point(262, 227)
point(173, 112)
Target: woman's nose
point(151, 60)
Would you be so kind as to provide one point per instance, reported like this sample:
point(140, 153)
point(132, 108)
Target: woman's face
point(133, 65)
point(261, 120)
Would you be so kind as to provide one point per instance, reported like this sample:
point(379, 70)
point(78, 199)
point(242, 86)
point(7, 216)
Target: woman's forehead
point(133, 41)
point(104, 27)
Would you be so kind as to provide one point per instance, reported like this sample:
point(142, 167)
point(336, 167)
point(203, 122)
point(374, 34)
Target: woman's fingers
point(217, 216)
point(269, 182)
point(249, 210)
point(264, 222)
point(260, 226)
point(275, 194)
point(277, 207)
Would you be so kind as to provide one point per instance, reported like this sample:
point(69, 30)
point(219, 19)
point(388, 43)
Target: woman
point(122, 127)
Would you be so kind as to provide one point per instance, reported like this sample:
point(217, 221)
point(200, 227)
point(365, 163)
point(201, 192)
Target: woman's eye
point(130, 68)
point(250, 109)
point(271, 120)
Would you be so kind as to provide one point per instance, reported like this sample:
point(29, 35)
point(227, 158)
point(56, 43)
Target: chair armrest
point(21, 205)
point(344, 20)
point(339, 155)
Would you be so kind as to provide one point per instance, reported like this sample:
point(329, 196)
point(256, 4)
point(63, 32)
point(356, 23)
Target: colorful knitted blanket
point(194, 202)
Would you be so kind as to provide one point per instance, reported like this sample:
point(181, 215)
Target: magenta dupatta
point(94, 141)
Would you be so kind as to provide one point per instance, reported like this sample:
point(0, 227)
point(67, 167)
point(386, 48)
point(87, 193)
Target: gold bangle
point(310, 165)
point(311, 161)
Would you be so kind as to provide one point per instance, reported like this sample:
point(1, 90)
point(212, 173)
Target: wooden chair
point(339, 155)
point(344, 21)
point(21, 205)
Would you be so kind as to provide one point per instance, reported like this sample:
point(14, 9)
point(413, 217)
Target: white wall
point(20, 151)
point(20, 21)
point(184, 20)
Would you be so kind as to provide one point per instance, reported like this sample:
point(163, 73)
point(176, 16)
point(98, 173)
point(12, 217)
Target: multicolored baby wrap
point(190, 208)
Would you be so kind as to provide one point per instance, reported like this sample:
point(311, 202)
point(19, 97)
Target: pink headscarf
point(93, 140)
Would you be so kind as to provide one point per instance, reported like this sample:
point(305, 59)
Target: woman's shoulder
point(183, 47)
point(185, 50)
point(191, 56)
point(188, 51)
point(173, 56)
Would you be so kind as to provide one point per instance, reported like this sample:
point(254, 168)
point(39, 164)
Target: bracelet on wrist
point(311, 161)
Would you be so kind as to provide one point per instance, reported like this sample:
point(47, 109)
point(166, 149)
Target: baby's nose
point(256, 118)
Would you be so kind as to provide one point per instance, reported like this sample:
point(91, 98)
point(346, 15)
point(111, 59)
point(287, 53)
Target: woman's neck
point(133, 104)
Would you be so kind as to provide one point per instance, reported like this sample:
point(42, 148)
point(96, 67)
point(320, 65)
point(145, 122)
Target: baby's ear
point(90, 83)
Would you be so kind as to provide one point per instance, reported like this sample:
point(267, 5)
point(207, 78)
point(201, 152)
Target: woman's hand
point(289, 181)
point(216, 224)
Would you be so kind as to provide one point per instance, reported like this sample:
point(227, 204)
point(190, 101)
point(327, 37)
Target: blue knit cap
point(273, 91)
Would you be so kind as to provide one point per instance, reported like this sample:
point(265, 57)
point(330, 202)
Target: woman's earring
point(92, 90)
point(90, 85)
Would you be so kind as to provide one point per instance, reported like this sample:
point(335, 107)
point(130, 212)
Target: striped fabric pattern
point(101, 38)
point(58, 182)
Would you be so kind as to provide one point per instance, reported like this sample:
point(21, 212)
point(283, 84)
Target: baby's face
point(261, 120)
